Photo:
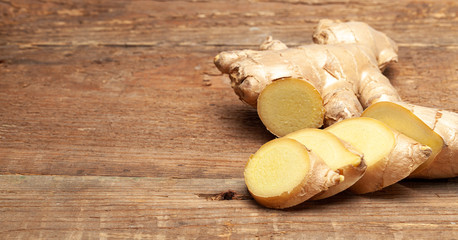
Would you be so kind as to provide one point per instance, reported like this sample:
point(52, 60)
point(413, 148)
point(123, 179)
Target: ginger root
point(339, 72)
point(344, 66)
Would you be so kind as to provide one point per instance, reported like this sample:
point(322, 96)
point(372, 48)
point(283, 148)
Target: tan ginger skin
point(345, 67)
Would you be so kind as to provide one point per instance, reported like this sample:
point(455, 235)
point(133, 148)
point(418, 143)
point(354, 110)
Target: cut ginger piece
point(290, 104)
point(335, 154)
point(283, 173)
point(389, 155)
point(405, 122)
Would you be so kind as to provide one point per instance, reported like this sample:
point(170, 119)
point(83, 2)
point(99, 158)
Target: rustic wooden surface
point(114, 123)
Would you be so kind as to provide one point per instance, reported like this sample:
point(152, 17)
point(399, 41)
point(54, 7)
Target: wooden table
point(115, 124)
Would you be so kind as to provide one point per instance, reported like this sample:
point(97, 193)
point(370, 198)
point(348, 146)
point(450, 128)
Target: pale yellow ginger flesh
point(327, 146)
point(390, 156)
point(335, 154)
point(373, 139)
point(290, 104)
point(285, 160)
point(283, 173)
point(443, 162)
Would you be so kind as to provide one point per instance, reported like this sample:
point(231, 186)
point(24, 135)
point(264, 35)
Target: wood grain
point(154, 208)
point(115, 124)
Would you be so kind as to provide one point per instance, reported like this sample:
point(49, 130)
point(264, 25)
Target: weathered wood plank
point(94, 90)
point(191, 23)
point(154, 112)
point(56, 207)
point(93, 119)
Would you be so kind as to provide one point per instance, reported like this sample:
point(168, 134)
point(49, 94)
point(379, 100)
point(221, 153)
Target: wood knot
point(226, 195)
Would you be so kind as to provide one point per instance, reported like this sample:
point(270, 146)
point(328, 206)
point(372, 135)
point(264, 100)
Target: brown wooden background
point(114, 123)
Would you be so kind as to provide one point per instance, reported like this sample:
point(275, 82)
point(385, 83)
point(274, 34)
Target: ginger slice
point(389, 155)
point(444, 123)
point(290, 104)
point(283, 173)
point(335, 154)
point(405, 122)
